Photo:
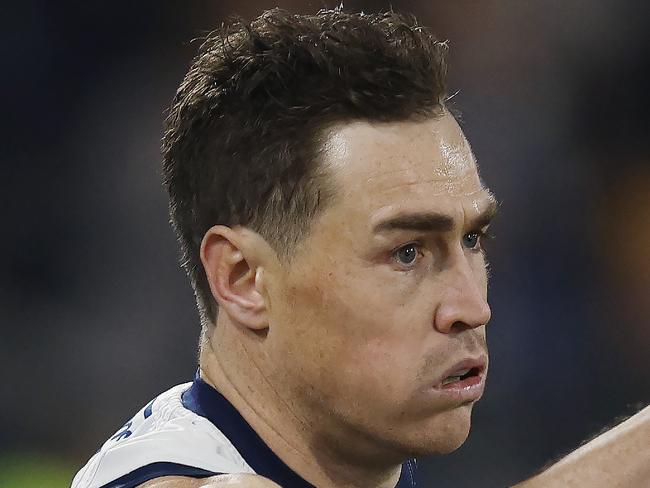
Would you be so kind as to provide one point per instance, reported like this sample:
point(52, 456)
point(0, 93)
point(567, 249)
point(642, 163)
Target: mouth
point(466, 379)
point(463, 377)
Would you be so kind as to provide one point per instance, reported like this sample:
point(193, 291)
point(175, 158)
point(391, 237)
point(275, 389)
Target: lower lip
point(466, 390)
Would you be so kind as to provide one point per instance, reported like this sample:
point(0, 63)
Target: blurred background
point(97, 317)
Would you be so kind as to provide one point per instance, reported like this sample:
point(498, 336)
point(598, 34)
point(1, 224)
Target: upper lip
point(460, 367)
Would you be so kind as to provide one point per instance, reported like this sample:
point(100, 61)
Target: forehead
point(425, 163)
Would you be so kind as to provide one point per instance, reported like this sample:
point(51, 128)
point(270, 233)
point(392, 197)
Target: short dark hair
point(243, 133)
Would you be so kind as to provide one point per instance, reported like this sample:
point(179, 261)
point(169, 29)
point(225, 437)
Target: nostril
point(459, 327)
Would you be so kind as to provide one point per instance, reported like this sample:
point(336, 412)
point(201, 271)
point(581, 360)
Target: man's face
point(387, 293)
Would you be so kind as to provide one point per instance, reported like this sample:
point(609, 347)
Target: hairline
point(323, 173)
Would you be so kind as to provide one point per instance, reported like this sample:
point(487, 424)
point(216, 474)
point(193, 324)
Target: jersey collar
point(204, 400)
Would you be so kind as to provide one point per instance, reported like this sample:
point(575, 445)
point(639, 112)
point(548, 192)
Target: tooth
point(450, 379)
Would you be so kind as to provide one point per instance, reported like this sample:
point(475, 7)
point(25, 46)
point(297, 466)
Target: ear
point(234, 275)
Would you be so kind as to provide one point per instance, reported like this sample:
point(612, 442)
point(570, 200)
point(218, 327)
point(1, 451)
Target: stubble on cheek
point(354, 367)
point(323, 336)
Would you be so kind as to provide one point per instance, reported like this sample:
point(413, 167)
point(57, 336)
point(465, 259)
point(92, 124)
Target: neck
point(231, 363)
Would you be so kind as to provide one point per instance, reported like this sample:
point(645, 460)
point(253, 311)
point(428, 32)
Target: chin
point(443, 433)
point(449, 444)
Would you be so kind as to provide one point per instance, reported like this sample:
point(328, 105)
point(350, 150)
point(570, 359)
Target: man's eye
point(471, 240)
point(407, 254)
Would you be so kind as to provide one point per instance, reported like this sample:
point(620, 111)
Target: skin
point(618, 458)
point(333, 357)
point(226, 480)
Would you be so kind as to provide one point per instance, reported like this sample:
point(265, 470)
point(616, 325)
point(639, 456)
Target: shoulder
point(225, 480)
point(164, 438)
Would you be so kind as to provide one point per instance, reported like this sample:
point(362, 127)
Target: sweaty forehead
point(384, 161)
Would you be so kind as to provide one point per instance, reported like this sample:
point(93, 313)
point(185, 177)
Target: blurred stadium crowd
point(97, 316)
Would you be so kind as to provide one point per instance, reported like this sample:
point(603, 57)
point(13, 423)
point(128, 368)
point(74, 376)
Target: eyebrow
point(434, 221)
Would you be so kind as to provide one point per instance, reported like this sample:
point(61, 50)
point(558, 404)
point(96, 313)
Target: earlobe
point(234, 277)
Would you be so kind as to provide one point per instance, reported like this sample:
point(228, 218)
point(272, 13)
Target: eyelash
point(418, 248)
point(483, 235)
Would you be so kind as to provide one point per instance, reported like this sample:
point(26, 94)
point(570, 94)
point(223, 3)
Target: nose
point(463, 302)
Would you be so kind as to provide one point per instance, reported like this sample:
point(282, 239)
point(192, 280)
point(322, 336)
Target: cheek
point(351, 339)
